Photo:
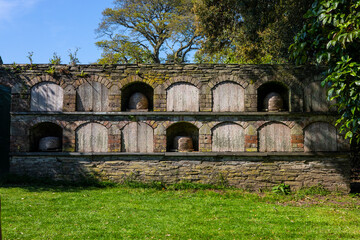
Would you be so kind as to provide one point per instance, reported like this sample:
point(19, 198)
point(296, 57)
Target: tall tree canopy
point(249, 31)
point(142, 31)
point(331, 37)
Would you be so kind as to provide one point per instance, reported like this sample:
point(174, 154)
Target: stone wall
point(222, 105)
point(251, 171)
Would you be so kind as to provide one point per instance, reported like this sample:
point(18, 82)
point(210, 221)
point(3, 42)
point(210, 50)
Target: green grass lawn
point(143, 213)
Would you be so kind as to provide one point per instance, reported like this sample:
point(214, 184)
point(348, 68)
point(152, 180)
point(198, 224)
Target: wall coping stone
point(297, 114)
point(188, 154)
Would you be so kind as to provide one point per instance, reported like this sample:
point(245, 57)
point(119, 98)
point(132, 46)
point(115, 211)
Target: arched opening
point(137, 137)
point(137, 96)
point(46, 137)
point(274, 137)
point(179, 135)
point(182, 97)
point(92, 137)
point(47, 96)
point(228, 97)
point(273, 96)
point(228, 137)
point(320, 136)
point(5, 99)
point(92, 97)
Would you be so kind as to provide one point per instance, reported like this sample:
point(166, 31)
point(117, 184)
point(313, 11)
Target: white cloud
point(12, 8)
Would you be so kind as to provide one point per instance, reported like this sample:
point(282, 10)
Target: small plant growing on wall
point(55, 60)
point(83, 74)
point(73, 56)
point(30, 57)
point(51, 71)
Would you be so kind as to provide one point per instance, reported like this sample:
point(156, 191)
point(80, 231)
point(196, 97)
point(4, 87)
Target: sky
point(47, 26)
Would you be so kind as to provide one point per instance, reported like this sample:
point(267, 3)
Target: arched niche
point(228, 97)
point(46, 96)
point(274, 137)
point(92, 137)
point(182, 97)
point(316, 98)
point(273, 87)
point(137, 137)
point(92, 97)
point(5, 102)
point(47, 133)
point(228, 137)
point(136, 87)
point(320, 136)
point(182, 129)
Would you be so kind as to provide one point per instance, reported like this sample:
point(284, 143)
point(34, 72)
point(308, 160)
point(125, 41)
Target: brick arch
point(287, 84)
point(325, 119)
point(228, 78)
point(93, 78)
point(82, 123)
point(213, 125)
point(37, 121)
point(168, 124)
point(45, 78)
point(135, 78)
point(148, 122)
point(185, 79)
point(260, 124)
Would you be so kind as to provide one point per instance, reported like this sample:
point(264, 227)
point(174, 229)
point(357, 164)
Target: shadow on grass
point(32, 184)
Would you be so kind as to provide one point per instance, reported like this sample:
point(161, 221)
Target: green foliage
point(73, 56)
point(248, 31)
point(282, 188)
point(332, 37)
point(56, 59)
point(313, 190)
point(51, 71)
point(29, 56)
point(139, 31)
point(83, 74)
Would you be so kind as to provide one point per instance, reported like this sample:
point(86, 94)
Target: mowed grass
point(143, 213)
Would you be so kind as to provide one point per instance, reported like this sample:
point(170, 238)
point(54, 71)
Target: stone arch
point(320, 136)
point(135, 78)
point(137, 137)
point(228, 96)
point(45, 78)
point(186, 79)
point(228, 137)
point(182, 129)
point(274, 137)
point(5, 103)
point(46, 96)
point(42, 130)
point(93, 78)
point(91, 137)
point(182, 97)
point(228, 78)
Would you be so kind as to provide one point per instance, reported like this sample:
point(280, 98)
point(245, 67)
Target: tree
point(141, 31)
point(331, 36)
point(252, 31)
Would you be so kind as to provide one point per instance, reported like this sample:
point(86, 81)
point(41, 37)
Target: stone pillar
point(69, 99)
